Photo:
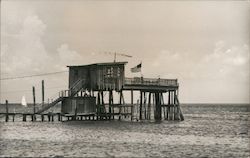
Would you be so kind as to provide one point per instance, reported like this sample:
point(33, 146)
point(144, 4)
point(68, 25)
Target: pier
point(91, 97)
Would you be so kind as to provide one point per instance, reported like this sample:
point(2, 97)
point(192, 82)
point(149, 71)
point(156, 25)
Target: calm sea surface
point(208, 131)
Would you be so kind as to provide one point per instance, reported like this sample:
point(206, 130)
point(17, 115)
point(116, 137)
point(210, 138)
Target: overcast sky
point(203, 44)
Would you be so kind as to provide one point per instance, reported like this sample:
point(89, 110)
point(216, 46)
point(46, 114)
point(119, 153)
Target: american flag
point(137, 68)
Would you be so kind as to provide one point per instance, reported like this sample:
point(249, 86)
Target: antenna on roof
point(119, 54)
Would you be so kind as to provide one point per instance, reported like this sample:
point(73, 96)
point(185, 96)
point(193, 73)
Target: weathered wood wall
point(79, 105)
point(98, 77)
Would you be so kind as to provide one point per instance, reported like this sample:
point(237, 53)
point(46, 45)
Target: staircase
point(50, 105)
point(78, 85)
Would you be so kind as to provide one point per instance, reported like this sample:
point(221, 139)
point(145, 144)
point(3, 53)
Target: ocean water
point(208, 131)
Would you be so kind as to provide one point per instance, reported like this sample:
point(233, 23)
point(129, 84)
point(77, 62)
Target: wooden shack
point(78, 105)
point(89, 84)
point(97, 77)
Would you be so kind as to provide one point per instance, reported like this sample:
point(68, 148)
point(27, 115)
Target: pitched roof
point(101, 64)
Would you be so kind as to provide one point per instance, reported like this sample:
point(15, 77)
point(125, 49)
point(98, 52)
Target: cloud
point(170, 64)
point(68, 56)
point(24, 51)
point(220, 76)
point(234, 55)
point(227, 61)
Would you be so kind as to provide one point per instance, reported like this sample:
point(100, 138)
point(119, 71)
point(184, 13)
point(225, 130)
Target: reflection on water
point(208, 131)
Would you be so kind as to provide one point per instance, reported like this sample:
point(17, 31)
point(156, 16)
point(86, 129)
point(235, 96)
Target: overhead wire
point(26, 90)
point(28, 76)
point(35, 75)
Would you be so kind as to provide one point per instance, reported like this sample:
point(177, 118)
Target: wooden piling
point(144, 105)
point(7, 111)
point(59, 116)
point(149, 105)
point(140, 106)
point(112, 108)
point(32, 117)
point(162, 103)
point(120, 103)
point(42, 93)
point(34, 102)
point(110, 92)
point(157, 106)
point(42, 117)
point(98, 104)
point(48, 115)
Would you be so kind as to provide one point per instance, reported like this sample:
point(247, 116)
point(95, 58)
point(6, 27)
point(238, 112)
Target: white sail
point(24, 103)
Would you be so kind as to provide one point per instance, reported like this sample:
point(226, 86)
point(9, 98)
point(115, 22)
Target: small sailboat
point(24, 103)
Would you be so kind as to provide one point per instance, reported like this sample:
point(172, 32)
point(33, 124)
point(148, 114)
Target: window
point(118, 72)
point(109, 72)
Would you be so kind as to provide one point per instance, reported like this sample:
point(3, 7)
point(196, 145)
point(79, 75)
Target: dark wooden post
point(7, 111)
point(175, 106)
point(102, 98)
point(24, 117)
point(59, 116)
point(34, 100)
point(172, 103)
point(32, 117)
point(132, 97)
point(140, 117)
point(153, 103)
point(42, 92)
point(110, 110)
point(34, 103)
point(120, 102)
point(75, 116)
point(112, 102)
point(102, 104)
point(169, 98)
point(132, 106)
point(144, 105)
point(98, 105)
point(48, 117)
point(149, 105)
point(157, 106)
point(163, 107)
point(42, 117)
point(173, 117)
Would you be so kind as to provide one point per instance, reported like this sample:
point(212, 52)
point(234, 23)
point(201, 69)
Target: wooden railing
point(151, 81)
point(64, 93)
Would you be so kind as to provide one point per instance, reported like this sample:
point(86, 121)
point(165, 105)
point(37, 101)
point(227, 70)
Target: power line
point(44, 74)
point(16, 91)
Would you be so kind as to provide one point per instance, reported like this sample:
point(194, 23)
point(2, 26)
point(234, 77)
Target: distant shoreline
point(184, 104)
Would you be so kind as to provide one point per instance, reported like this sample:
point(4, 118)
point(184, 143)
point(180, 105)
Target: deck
point(150, 84)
